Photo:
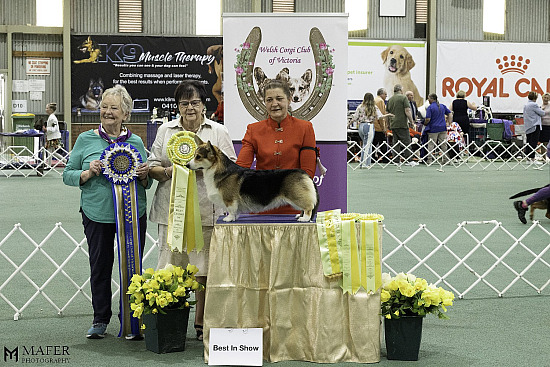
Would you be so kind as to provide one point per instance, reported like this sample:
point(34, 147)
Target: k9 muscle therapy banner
point(310, 53)
point(149, 67)
point(506, 72)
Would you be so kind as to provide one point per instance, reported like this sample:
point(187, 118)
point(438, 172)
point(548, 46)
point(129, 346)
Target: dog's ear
point(409, 61)
point(283, 75)
point(385, 53)
point(259, 75)
point(198, 140)
point(308, 76)
point(211, 150)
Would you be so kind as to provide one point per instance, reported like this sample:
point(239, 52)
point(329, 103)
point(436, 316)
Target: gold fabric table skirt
point(269, 274)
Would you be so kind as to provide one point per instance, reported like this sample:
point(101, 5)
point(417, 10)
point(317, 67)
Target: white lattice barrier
point(487, 155)
point(479, 250)
point(21, 161)
point(59, 268)
point(475, 257)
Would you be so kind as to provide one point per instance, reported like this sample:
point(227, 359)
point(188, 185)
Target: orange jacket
point(278, 147)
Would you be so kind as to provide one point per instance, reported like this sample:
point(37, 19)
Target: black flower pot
point(165, 333)
point(403, 337)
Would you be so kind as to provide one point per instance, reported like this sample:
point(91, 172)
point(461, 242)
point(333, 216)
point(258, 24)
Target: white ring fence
point(20, 160)
point(477, 259)
point(474, 155)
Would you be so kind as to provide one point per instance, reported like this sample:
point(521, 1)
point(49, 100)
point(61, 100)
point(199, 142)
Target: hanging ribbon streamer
point(184, 219)
point(329, 234)
point(120, 163)
point(342, 256)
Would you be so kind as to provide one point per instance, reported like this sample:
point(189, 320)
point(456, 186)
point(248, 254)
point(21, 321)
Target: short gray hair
point(381, 91)
point(397, 88)
point(126, 103)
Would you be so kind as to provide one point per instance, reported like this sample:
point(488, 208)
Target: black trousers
point(101, 237)
point(532, 141)
point(380, 141)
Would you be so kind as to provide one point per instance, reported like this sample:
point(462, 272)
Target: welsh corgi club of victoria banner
point(150, 68)
point(506, 72)
point(310, 52)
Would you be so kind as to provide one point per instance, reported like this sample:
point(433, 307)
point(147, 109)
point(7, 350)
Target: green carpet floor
point(483, 330)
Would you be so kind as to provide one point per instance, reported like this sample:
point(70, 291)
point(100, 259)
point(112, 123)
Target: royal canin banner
point(506, 72)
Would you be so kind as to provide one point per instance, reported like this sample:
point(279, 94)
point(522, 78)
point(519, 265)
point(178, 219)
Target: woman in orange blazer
point(281, 141)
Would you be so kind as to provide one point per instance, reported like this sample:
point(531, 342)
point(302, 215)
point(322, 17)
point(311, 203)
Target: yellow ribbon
point(328, 233)
point(184, 221)
point(358, 263)
point(370, 261)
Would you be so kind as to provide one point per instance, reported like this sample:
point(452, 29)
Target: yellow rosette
point(184, 219)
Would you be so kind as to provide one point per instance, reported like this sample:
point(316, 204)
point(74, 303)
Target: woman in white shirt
point(365, 114)
point(53, 134)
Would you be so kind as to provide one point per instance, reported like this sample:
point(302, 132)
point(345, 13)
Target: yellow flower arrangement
point(407, 295)
point(168, 288)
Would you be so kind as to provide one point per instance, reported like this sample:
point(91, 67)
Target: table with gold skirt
point(266, 271)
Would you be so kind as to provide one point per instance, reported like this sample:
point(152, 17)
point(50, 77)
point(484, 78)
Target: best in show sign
point(506, 72)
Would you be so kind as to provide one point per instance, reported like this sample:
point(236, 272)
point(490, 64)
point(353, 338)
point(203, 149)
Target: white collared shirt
point(208, 131)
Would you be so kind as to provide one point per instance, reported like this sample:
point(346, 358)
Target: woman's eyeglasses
point(194, 103)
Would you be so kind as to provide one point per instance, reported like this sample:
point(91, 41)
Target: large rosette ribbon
point(184, 218)
point(356, 262)
point(120, 162)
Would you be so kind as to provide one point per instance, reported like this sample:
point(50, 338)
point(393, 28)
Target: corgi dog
point(244, 190)
point(299, 87)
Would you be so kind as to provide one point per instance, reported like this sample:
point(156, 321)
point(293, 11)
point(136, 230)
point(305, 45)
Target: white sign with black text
point(235, 347)
point(19, 105)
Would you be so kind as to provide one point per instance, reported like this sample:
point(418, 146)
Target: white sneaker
point(538, 163)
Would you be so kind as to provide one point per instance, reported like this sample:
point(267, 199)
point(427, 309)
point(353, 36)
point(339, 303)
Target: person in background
point(53, 134)
point(459, 108)
point(218, 114)
point(281, 141)
point(532, 114)
point(414, 109)
point(437, 117)
point(84, 170)
point(381, 126)
point(455, 140)
point(365, 114)
point(543, 193)
point(545, 120)
point(399, 106)
point(190, 96)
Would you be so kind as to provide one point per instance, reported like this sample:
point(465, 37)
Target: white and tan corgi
point(244, 190)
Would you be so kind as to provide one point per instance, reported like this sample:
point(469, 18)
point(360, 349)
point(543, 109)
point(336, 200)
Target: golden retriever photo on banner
point(397, 63)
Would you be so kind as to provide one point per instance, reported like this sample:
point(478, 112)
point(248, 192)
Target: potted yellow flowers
point(162, 298)
point(405, 300)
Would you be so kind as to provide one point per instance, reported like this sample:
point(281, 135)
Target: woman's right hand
point(94, 170)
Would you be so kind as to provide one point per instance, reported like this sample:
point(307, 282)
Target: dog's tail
point(526, 192)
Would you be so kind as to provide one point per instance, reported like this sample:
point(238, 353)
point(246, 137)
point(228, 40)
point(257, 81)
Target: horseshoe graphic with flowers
point(324, 70)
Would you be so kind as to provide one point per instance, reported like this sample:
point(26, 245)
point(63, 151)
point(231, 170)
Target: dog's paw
point(230, 218)
point(303, 219)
